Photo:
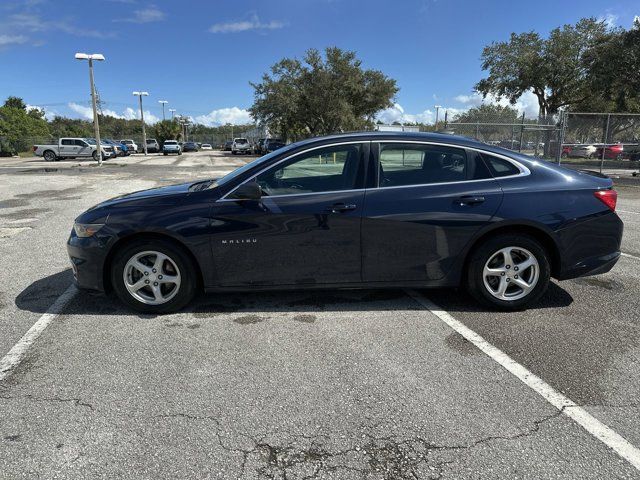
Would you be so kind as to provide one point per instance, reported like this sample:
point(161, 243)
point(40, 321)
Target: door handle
point(471, 200)
point(341, 207)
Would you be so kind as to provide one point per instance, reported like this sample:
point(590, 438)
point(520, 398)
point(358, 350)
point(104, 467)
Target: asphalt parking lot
point(340, 384)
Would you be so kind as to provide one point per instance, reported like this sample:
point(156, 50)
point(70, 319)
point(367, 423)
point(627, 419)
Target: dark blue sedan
point(381, 210)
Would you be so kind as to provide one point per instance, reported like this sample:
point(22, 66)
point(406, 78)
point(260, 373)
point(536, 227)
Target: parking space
point(332, 384)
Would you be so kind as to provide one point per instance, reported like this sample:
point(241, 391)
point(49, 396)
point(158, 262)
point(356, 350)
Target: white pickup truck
point(72, 148)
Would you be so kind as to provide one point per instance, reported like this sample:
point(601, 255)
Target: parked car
point(171, 146)
point(207, 146)
point(259, 147)
point(72, 148)
point(120, 148)
point(579, 151)
point(240, 145)
point(190, 147)
point(273, 144)
point(611, 152)
point(228, 145)
point(152, 145)
point(632, 152)
point(133, 147)
point(440, 211)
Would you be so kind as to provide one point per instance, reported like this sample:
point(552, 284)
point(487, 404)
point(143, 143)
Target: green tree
point(167, 130)
point(613, 71)
point(488, 113)
point(20, 128)
point(320, 95)
point(552, 68)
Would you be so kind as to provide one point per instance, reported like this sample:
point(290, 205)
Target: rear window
point(241, 140)
point(500, 167)
point(170, 142)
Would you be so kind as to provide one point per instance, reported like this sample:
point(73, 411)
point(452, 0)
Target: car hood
point(159, 196)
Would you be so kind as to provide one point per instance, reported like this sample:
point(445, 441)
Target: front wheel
point(49, 156)
point(153, 276)
point(95, 155)
point(509, 272)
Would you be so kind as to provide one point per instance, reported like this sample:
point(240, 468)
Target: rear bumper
point(590, 247)
point(590, 266)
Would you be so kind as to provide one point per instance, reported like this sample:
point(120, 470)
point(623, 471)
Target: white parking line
point(627, 211)
point(13, 358)
point(568, 407)
point(628, 255)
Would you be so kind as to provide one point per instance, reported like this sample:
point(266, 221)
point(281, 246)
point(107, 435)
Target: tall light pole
point(163, 102)
point(96, 128)
point(144, 131)
point(437, 107)
point(172, 110)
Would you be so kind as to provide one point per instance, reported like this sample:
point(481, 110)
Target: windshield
point(258, 161)
point(170, 142)
point(241, 140)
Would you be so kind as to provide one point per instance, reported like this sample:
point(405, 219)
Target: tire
point(179, 153)
point(95, 155)
point(173, 296)
point(165, 154)
point(488, 252)
point(49, 156)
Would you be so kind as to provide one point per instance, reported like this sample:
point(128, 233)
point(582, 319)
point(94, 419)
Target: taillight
point(608, 197)
point(35, 148)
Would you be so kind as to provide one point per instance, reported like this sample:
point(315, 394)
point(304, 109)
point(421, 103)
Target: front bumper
point(88, 257)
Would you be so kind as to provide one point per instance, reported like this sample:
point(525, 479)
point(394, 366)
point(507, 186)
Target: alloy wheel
point(511, 273)
point(151, 277)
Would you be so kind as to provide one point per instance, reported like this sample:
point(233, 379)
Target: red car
point(611, 152)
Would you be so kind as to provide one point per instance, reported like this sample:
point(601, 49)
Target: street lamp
point(99, 58)
point(144, 132)
point(172, 110)
point(163, 102)
point(437, 107)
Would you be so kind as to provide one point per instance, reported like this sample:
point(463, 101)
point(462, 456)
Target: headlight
point(84, 230)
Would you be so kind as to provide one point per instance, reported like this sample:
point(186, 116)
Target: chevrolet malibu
point(361, 210)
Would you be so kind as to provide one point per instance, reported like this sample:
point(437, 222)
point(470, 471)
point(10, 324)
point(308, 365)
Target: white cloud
point(34, 23)
point(48, 114)
point(609, 19)
point(128, 113)
point(85, 112)
point(397, 114)
point(222, 116)
point(242, 26)
point(527, 103)
point(146, 15)
point(6, 40)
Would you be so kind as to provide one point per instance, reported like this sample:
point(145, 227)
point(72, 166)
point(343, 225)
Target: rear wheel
point(153, 276)
point(49, 156)
point(509, 272)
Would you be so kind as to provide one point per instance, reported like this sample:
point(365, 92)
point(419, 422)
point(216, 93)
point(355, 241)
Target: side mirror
point(248, 191)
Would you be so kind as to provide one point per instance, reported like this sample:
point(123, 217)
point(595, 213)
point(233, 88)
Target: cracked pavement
point(294, 385)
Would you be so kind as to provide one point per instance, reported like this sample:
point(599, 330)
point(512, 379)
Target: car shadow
point(40, 295)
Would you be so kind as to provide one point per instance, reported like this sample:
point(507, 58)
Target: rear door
point(431, 199)
point(68, 147)
point(305, 230)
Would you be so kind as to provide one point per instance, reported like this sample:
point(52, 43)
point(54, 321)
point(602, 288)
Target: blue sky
point(201, 55)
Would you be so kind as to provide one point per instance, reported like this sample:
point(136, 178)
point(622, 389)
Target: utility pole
point(437, 107)
point(172, 111)
point(163, 102)
point(144, 131)
point(96, 127)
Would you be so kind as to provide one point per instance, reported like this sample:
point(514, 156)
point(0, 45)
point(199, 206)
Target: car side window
point(500, 167)
point(419, 164)
point(68, 142)
point(321, 170)
point(81, 143)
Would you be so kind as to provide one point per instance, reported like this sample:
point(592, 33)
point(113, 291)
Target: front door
point(305, 229)
point(430, 201)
